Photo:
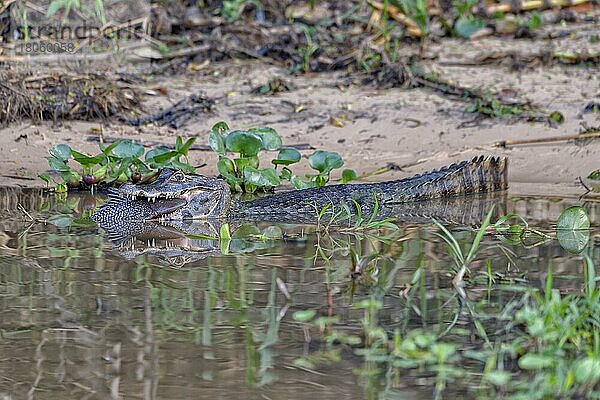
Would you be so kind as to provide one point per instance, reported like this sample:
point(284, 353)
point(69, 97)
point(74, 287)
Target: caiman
point(175, 195)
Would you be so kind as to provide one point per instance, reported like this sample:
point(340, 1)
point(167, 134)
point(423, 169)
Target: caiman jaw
point(163, 205)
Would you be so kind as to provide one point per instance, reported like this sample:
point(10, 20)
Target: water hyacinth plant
point(242, 171)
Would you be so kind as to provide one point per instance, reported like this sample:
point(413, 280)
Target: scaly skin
point(178, 196)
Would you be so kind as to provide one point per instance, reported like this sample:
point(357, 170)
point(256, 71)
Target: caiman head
point(175, 195)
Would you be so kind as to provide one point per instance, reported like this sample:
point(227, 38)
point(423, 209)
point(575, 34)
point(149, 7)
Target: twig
point(504, 143)
point(588, 190)
point(529, 5)
point(24, 211)
point(6, 5)
point(396, 14)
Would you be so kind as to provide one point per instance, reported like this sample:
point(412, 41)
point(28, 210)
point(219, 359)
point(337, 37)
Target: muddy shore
point(416, 129)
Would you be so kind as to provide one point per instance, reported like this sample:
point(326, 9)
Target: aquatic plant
point(116, 163)
point(541, 344)
point(242, 171)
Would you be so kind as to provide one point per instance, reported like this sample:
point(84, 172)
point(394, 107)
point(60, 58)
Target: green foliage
point(550, 341)
point(572, 229)
point(57, 5)
point(466, 23)
point(243, 173)
point(95, 9)
point(307, 51)
point(117, 163)
point(461, 260)
point(465, 26)
point(534, 21)
point(517, 233)
point(231, 9)
point(417, 11)
point(489, 106)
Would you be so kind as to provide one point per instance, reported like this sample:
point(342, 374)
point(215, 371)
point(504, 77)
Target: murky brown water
point(80, 321)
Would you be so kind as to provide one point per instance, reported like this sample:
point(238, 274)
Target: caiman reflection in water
point(176, 243)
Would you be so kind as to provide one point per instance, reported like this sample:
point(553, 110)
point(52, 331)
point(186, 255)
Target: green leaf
point(217, 143)
point(224, 232)
point(243, 162)
point(535, 21)
point(106, 150)
point(286, 173)
point(573, 218)
point(164, 157)
point(225, 166)
point(87, 161)
point(479, 236)
point(298, 183)
point(54, 6)
point(273, 232)
point(321, 179)
point(152, 154)
point(185, 147)
point(557, 116)
point(269, 137)
point(573, 241)
point(176, 164)
point(498, 378)
point(243, 142)
point(466, 26)
point(587, 371)
point(287, 156)
point(128, 148)
point(304, 315)
point(348, 175)
point(325, 161)
point(71, 177)
point(100, 173)
point(572, 229)
point(261, 177)
point(471, 108)
point(61, 220)
point(595, 175)
point(535, 361)
point(44, 177)
point(61, 151)
point(220, 127)
point(57, 164)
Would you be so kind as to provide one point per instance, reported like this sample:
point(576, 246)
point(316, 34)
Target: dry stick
point(588, 190)
point(24, 211)
point(396, 14)
point(529, 5)
point(391, 167)
point(505, 143)
point(6, 5)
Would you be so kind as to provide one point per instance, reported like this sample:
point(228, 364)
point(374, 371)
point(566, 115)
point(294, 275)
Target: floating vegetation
point(243, 173)
point(117, 163)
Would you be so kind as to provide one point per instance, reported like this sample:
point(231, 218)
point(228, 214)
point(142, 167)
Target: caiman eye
point(178, 177)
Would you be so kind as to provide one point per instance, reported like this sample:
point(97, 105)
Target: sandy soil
point(418, 128)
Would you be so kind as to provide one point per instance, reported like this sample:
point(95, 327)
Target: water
point(78, 320)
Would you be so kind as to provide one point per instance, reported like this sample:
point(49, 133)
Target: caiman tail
point(479, 175)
